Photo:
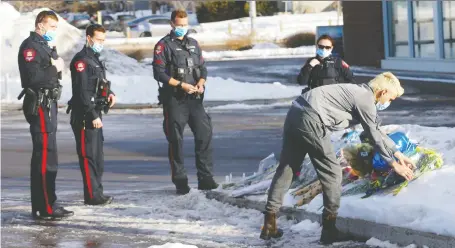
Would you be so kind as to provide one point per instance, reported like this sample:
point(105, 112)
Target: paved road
point(136, 159)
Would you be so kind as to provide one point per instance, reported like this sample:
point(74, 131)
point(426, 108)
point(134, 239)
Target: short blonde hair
point(387, 81)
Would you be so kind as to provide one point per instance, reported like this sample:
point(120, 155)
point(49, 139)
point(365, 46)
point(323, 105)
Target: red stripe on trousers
point(171, 157)
point(44, 158)
point(87, 172)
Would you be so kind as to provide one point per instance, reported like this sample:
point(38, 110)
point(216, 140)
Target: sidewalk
point(361, 229)
point(408, 75)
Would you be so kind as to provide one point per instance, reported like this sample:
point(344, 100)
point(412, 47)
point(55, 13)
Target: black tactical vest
point(185, 60)
point(325, 73)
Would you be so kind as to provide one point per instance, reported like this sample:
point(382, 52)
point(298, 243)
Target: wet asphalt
point(136, 148)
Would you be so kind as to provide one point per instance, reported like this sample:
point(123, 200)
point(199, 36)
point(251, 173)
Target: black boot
point(108, 198)
point(182, 186)
point(100, 201)
point(207, 183)
point(57, 213)
point(330, 234)
point(270, 230)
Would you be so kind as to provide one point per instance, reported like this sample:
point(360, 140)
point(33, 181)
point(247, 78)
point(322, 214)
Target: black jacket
point(35, 67)
point(172, 53)
point(330, 70)
point(86, 69)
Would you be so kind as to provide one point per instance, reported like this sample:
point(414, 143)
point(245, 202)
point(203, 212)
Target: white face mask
point(380, 106)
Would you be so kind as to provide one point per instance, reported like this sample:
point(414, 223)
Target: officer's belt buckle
point(184, 70)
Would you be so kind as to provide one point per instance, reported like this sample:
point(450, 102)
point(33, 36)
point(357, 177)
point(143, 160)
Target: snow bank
point(425, 205)
point(161, 215)
point(268, 29)
point(173, 245)
point(138, 89)
point(260, 52)
point(132, 82)
point(69, 41)
point(385, 244)
point(266, 46)
point(306, 226)
point(272, 27)
point(243, 106)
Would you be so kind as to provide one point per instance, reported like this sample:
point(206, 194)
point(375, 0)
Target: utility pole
point(338, 11)
point(252, 6)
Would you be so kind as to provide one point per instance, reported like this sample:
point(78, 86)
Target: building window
point(448, 18)
point(399, 32)
point(423, 14)
point(399, 29)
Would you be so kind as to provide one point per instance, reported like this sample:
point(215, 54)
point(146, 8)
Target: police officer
point(324, 69)
point(39, 68)
point(307, 131)
point(91, 96)
point(179, 66)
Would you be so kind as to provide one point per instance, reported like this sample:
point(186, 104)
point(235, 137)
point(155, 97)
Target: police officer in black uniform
point(91, 96)
point(179, 66)
point(39, 67)
point(324, 69)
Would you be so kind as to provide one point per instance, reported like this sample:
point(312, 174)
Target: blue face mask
point(180, 32)
point(50, 35)
point(380, 106)
point(97, 48)
point(323, 52)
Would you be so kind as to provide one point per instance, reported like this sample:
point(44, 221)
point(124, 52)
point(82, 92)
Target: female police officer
point(324, 68)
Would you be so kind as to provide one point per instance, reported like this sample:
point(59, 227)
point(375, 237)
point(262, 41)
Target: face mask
point(49, 35)
point(381, 106)
point(179, 31)
point(97, 47)
point(323, 52)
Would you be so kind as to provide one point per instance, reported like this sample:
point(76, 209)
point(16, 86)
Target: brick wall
point(363, 33)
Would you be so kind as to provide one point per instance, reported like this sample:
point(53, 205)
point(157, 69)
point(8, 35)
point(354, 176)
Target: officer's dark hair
point(43, 15)
point(90, 31)
point(325, 37)
point(178, 13)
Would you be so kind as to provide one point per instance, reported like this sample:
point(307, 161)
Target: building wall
point(363, 33)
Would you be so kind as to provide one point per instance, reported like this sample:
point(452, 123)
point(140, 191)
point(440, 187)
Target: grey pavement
point(136, 157)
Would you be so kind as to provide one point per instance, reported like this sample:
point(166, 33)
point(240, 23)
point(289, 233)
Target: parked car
point(121, 23)
point(81, 21)
point(148, 26)
point(108, 22)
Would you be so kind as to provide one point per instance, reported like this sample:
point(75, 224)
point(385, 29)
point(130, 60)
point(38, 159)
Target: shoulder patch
point(29, 54)
point(344, 64)
point(80, 65)
point(159, 48)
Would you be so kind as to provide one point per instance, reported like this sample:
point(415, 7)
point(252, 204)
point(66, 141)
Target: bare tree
point(27, 6)
point(186, 5)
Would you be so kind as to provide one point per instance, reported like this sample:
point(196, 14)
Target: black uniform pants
point(89, 146)
point(43, 128)
point(177, 113)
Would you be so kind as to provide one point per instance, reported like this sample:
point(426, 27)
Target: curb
point(361, 229)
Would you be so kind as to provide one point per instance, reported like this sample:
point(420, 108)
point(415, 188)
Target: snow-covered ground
point(267, 28)
point(132, 82)
point(270, 28)
point(258, 51)
point(177, 221)
point(425, 205)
